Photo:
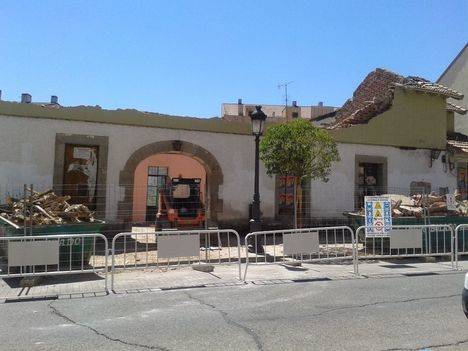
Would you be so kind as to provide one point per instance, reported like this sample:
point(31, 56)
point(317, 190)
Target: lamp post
point(258, 118)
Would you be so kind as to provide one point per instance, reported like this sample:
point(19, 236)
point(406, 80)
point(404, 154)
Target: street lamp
point(258, 120)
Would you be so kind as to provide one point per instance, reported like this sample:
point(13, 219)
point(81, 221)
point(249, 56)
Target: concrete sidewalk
point(130, 281)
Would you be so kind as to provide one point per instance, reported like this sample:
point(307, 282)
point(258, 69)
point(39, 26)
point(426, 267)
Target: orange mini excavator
point(180, 204)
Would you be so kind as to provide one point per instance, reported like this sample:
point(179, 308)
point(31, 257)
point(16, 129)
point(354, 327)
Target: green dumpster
point(436, 244)
point(73, 251)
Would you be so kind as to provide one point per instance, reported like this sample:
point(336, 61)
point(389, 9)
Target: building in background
point(240, 111)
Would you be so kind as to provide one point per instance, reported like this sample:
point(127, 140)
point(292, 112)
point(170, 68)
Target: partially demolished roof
point(457, 142)
point(455, 108)
point(375, 95)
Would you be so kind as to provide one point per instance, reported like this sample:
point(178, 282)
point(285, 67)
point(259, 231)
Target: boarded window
point(80, 174)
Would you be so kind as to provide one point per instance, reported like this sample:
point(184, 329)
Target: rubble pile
point(45, 208)
point(419, 205)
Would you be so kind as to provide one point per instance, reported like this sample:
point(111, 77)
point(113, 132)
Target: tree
point(298, 149)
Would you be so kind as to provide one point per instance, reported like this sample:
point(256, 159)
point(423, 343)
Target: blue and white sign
point(378, 215)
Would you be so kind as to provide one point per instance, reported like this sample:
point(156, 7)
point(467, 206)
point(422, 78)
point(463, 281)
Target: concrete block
point(293, 263)
point(206, 268)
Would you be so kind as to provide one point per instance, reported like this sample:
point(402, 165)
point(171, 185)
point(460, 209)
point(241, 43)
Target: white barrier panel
point(33, 253)
point(299, 243)
point(406, 238)
point(139, 250)
point(178, 246)
point(304, 245)
point(59, 254)
point(435, 240)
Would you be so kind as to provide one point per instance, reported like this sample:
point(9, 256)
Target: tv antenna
point(285, 87)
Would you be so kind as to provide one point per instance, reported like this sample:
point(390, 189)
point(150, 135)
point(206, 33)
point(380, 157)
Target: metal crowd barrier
point(47, 255)
point(461, 241)
point(405, 241)
point(303, 245)
point(140, 250)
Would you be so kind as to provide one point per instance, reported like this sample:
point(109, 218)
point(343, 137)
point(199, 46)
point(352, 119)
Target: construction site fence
point(461, 244)
point(51, 255)
point(300, 245)
point(79, 253)
point(318, 205)
point(174, 248)
point(140, 206)
point(405, 241)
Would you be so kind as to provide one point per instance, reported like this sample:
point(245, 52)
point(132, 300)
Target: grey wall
point(456, 77)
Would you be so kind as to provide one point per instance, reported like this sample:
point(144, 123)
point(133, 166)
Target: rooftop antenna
point(285, 87)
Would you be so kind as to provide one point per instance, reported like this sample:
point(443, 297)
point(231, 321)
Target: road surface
point(400, 313)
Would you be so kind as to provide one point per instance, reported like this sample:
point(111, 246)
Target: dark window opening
point(370, 181)
point(462, 179)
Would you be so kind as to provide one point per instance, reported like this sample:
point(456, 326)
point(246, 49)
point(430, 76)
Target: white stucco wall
point(403, 167)
point(27, 147)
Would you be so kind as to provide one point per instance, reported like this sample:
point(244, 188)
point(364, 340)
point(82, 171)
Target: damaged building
point(392, 138)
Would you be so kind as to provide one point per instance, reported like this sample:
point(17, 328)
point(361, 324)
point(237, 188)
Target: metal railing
point(303, 245)
point(404, 241)
point(47, 255)
point(461, 240)
point(140, 250)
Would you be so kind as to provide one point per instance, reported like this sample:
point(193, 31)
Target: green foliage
point(300, 149)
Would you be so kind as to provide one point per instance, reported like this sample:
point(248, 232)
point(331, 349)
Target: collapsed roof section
point(457, 142)
point(375, 96)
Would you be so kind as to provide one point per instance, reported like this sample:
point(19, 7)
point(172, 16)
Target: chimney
point(54, 99)
point(240, 107)
point(26, 98)
point(320, 103)
point(294, 103)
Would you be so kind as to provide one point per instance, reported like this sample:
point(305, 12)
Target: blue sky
point(187, 57)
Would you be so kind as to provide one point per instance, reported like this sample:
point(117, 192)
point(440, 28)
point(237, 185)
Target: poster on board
point(378, 215)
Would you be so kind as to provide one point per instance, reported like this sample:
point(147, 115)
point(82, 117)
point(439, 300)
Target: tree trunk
point(297, 202)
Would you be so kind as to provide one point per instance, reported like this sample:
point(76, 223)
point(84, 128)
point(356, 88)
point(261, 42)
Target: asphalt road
point(404, 313)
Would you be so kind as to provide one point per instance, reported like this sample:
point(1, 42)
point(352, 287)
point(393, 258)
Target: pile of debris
point(419, 205)
point(45, 208)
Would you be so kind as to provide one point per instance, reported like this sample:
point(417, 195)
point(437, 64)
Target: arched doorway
point(152, 175)
point(214, 175)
